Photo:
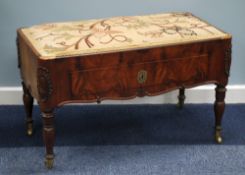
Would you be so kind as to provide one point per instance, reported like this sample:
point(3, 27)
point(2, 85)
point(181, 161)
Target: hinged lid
point(58, 40)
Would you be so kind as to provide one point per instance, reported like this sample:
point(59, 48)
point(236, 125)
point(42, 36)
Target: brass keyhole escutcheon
point(142, 76)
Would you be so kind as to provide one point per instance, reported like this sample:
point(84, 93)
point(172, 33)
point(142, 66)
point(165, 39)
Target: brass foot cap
point(29, 130)
point(49, 163)
point(180, 105)
point(218, 139)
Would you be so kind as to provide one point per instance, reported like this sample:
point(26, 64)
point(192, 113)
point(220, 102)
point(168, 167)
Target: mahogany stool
point(119, 58)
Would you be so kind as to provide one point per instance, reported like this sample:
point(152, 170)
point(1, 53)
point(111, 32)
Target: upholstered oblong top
point(59, 40)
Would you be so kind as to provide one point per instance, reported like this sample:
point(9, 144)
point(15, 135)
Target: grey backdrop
point(226, 14)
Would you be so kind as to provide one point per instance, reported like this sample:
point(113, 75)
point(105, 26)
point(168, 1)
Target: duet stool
point(119, 58)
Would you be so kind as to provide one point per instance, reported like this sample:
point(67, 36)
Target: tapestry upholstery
point(64, 39)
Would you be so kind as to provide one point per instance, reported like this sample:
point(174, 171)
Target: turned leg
point(181, 97)
point(28, 103)
point(219, 107)
point(48, 137)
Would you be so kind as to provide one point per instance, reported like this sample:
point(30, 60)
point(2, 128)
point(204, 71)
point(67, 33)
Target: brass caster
point(181, 98)
point(49, 162)
point(218, 137)
point(29, 128)
point(180, 105)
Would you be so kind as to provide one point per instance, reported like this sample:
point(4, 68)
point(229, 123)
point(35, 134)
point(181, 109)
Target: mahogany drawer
point(121, 80)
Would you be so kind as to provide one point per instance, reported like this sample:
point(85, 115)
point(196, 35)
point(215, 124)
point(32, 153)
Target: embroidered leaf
point(51, 49)
point(65, 36)
point(136, 25)
point(65, 28)
point(129, 40)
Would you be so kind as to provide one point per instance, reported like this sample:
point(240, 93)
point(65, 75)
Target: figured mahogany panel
point(119, 74)
point(124, 75)
point(125, 80)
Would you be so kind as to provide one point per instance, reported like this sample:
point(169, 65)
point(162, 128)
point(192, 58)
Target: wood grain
point(115, 75)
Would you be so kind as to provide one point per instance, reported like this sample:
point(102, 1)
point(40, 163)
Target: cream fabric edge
point(65, 54)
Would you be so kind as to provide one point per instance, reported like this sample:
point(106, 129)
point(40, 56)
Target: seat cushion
point(67, 39)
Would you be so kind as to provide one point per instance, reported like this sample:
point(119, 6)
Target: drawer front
point(126, 80)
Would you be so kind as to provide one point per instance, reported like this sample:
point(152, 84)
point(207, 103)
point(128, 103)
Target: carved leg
point(28, 103)
point(181, 97)
point(48, 137)
point(219, 107)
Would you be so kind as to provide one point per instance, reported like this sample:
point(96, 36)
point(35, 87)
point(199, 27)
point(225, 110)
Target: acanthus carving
point(44, 84)
point(227, 59)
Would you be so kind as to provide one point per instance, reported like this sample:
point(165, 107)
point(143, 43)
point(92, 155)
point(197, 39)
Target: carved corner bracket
point(44, 84)
point(228, 53)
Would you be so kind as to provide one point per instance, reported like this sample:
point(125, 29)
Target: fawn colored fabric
point(57, 40)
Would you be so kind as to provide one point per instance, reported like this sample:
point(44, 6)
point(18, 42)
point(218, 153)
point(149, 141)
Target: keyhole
point(142, 76)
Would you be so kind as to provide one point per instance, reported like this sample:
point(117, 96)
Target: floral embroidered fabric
point(57, 40)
